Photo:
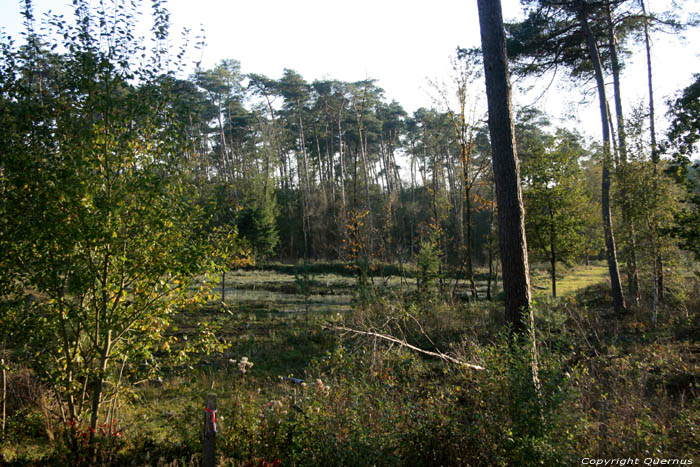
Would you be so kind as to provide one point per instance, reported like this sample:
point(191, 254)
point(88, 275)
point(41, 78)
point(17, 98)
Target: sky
point(402, 44)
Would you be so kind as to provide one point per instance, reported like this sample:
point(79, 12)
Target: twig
point(403, 343)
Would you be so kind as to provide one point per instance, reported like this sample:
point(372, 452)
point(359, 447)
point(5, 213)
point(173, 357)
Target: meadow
point(314, 395)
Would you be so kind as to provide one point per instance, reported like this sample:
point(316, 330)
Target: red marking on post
point(213, 417)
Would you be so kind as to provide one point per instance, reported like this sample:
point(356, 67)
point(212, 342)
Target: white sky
point(399, 43)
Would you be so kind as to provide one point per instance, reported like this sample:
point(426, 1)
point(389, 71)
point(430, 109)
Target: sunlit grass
point(572, 281)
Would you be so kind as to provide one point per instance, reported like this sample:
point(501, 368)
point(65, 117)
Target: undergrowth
point(607, 387)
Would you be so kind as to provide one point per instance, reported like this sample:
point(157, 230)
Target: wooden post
point(4, 395)
point(209, 452)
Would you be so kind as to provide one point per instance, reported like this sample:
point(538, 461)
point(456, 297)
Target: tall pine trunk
point(611, 252)
point(632, 276)
point(341, 165)
point(511, 215)
point(305, 185)
point(466, 149)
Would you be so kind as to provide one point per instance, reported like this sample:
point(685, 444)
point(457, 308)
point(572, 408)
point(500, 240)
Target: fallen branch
point(403, 343)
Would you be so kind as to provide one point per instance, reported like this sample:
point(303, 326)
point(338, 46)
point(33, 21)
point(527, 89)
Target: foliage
point(683, 137)
point(125, 188)
point(607, 385)
point(257, 225)
point(593, 244)
point(229, 251)
point(684, 113)
point(104, 228)
point(554, 198)
point(428, 264)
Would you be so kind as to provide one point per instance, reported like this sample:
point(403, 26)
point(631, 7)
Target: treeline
point(331, 170)
point(347, 174)
point(339, 166)
point(327, 153)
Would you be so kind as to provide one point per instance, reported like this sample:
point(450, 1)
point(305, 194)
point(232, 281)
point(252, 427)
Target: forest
point(200, 266)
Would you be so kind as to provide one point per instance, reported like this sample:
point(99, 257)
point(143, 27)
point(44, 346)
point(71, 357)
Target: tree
point(295, 91)
point(593, 238)
point(683, 138)
point(610, 248)
point(470, 168)
point(555, 200)
point(365, 96)
point(256, 224)
point(223, 86)
point(104, 226)
point(511, 222)
point(630, 238)
point(229, 251)
point(658, 268)
point(561, 34)
point(653, 199)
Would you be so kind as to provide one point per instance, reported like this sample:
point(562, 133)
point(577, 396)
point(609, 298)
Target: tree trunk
point(612, 46)
point(632, 276)
point(69, 367)
point(511, 216)
point(553, 260)
point(659, 270)
point(320, 166)
point(469, 242)
point(611, 253)
point(495, 275)
point(4, 394)
point(97, 390)
point(490, 245)
point(363, 153)
point(613, 139)
point(342, 168)
point(655, 287)
point(489, 279)
point(224, 159)
point(231, 153)
point(223, 286)
point(660, 275)
point(652, 123)
point(466, 150)
point(305, 186)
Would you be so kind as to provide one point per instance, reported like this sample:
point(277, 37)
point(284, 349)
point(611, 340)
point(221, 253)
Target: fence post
point(4, 396)
point(209, 454)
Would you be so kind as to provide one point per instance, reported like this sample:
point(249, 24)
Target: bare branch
point(403, 343)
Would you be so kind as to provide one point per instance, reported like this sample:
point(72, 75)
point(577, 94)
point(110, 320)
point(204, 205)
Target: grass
point(572, 281)
point(378, 404)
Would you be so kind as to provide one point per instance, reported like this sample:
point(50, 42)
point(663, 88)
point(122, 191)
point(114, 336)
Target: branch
point(403, 343)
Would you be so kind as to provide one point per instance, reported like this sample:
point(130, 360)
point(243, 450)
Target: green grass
point(573, 281)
